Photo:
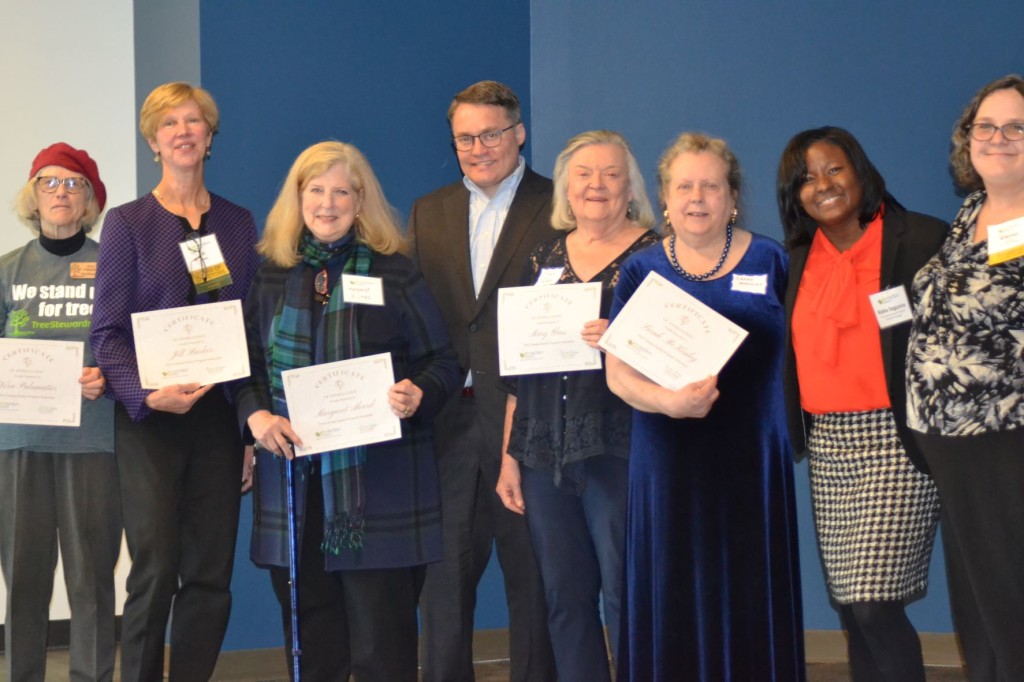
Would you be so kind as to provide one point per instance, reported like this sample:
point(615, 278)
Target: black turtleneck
point(63, 247)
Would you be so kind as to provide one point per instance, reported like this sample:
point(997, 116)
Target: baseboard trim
point(58, 634)
point(822, 646)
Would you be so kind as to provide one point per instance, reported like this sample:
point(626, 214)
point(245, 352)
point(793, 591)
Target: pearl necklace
point(710, 273)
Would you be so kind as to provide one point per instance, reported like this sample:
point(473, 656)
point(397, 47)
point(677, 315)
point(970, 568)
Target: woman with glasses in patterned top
point(965, 382)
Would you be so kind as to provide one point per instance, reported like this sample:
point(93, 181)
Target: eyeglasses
point(492, 138)
point(193, 241)
point(983, 132)
point(50, 183)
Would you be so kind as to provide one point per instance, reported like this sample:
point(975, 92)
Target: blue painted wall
point(895, 74)
point(378, 75)
point(381, 75)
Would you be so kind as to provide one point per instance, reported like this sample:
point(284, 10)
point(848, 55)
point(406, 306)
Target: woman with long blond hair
point(368, 517)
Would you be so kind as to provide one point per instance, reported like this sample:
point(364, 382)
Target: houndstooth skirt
point(875, 513)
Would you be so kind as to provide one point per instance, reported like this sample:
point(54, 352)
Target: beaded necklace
point(710, 273)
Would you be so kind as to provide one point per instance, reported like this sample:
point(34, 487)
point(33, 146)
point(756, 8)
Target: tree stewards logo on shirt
point(52, 306)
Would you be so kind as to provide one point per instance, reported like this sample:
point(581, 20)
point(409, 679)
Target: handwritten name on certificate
point(341, 404)
point(193, 344)
point(539, 328)
point(39, 382)
point(670, 336)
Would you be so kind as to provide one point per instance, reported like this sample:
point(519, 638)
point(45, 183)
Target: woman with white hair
point(566, 444)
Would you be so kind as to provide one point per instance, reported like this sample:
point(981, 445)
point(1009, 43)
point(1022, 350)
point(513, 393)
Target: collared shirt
point(486, 217)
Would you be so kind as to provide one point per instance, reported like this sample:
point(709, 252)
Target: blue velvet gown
point(712, 569)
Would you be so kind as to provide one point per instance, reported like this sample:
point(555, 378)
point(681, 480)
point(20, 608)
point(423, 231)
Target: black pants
point(981, 486)
point(180, 492)
point(361, 623)
point(474, 520)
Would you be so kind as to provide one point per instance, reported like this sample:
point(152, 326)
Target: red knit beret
point(75, 160)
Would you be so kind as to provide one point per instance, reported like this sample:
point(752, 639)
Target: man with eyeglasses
point(471, 238)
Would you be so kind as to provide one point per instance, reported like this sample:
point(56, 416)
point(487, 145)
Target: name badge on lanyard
point(205, 262)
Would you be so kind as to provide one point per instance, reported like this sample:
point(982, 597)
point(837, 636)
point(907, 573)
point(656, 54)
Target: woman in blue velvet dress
point(712, 573)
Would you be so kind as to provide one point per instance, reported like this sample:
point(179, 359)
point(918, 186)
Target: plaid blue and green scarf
point(291, 346)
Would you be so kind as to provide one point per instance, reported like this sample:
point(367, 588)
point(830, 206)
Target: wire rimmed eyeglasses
point(491, 138)
point(983, 132)
point(50, 183)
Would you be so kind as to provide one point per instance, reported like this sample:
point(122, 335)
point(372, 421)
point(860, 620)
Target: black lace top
point(562, 419)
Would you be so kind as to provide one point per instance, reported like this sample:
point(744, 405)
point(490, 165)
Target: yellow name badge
point(205, 262)
point(1006, 241)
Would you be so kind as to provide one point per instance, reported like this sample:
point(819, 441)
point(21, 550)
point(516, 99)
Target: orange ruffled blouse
point(835, 333)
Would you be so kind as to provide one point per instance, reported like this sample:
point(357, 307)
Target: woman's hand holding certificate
point(671, 337)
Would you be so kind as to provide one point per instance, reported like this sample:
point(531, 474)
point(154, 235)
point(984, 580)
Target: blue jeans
point(579, 542)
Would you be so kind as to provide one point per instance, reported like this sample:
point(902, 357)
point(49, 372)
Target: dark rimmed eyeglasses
point(492, 138)
point(50, 183)
point(193, 242)
point(983, 132)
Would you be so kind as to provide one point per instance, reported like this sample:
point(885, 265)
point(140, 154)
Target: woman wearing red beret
point(58, 481)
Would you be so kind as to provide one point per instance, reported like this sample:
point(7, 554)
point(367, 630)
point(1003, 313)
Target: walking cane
point(293, 578)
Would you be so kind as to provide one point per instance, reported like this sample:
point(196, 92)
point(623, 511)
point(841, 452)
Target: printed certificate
point(341, 404)
point(669, 336)
point(193, 344)
point(539, 328)
point(39, 382)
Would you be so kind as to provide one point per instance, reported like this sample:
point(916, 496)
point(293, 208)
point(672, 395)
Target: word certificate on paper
point(669, 336)
point(341, 404)
point(193, 344)
point(39, 382)
point(539, 328)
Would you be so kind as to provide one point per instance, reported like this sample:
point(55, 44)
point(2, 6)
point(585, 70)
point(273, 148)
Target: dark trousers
point(579, 541)
point(981, 485)
point(468, 449)
point(180, 492)
point(360, 623)
point(44, 496)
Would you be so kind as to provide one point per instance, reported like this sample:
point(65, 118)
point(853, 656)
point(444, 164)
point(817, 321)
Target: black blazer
point(439, 231)
point(909, 240)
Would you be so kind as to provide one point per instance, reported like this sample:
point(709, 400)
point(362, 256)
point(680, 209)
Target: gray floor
point(57, 662)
